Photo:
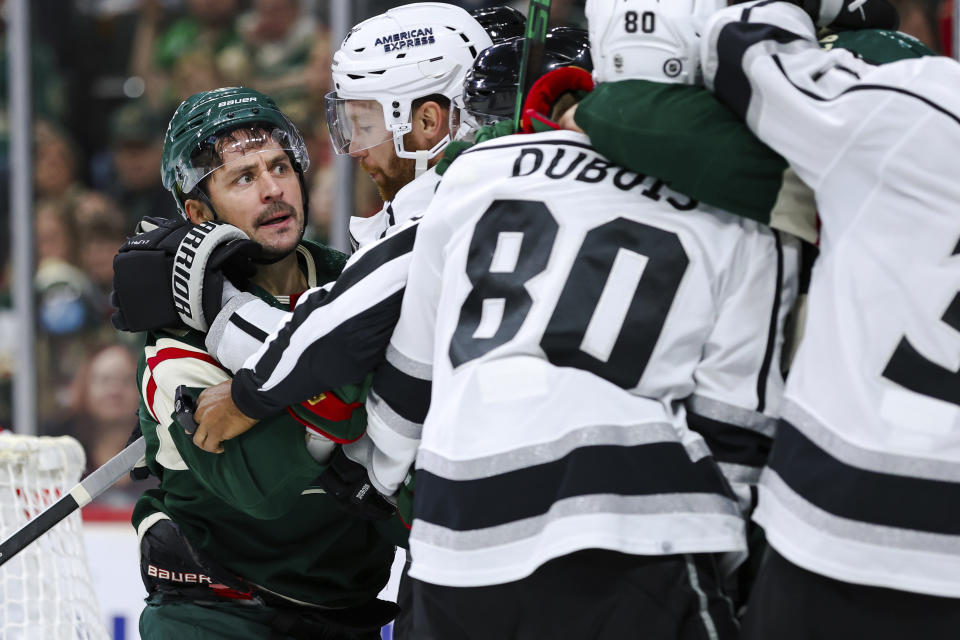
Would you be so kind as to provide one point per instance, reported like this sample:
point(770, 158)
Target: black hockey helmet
point(490, 87)
point(501, 23)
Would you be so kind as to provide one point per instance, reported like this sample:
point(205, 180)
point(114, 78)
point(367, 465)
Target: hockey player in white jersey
point(859, 501)
point(395, 78)
point(560, 316)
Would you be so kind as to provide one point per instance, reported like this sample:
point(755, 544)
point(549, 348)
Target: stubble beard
point(398, 173)
point(269, 255)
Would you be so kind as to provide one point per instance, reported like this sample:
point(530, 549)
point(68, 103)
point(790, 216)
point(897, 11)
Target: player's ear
point(430, 121)
point(197, 211)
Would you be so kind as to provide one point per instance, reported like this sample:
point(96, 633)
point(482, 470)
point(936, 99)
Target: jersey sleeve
point(261, 473)
point(400, 396)
point(684, 136)
point(333, 337)
point(241, 329)
point(739, 384)
point(763, 60)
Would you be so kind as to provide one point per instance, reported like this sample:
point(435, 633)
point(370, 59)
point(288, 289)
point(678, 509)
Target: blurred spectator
point(136, 142)
point(205, 35)
point(74, 243)
point(55, 164)
point(279, 37)
point(318, 78)
point(101, 229)
point(54, 233)
point(103, 408)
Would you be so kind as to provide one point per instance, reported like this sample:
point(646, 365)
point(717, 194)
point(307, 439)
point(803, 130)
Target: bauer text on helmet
point(194, 145)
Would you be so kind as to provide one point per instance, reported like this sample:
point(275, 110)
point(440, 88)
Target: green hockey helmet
point(198, 133)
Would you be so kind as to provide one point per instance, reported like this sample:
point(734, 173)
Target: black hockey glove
point(170, 565)
point(171, 274)
point(347, 482)
point(851, 14)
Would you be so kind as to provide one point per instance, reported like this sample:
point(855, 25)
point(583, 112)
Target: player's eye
point(244, 178)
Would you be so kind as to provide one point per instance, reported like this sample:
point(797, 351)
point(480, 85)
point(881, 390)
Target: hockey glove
point(347, 482)
point(851, 14)
point(171, 566)
point(554, 91)
point(171, 274)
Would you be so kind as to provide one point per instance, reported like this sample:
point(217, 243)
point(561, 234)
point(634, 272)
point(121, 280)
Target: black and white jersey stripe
point(335, 335)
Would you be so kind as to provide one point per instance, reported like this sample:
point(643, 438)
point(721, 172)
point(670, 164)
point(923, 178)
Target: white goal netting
point(45, 591)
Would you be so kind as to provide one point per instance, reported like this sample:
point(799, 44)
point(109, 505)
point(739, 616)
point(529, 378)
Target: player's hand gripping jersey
point(570, 315)
point(864, 480)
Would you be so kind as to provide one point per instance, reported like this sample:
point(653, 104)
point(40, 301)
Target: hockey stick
point(531, 63)
point(91, 487)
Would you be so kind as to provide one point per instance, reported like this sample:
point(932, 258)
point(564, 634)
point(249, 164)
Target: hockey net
point(45, 590)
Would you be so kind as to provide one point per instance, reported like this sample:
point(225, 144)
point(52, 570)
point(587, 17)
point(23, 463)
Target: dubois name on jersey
point(575, 319)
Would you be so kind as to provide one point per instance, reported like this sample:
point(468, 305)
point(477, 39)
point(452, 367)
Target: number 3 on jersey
point(909, 368)
point(611, 308)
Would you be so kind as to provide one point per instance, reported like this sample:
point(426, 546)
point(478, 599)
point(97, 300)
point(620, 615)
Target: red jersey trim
point(172, 353)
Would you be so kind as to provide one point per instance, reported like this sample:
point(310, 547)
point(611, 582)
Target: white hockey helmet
point(390, 60)
point(647, 39)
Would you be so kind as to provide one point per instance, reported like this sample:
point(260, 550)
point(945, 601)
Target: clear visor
point(226, 149)
point(355, 125)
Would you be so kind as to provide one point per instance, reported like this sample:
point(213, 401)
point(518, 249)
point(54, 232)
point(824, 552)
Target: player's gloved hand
point(563, 86)
point(851, 14)
point(172, 273)
point(348, 483)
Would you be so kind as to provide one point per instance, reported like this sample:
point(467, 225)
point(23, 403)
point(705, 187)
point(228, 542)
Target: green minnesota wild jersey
point(256, 509)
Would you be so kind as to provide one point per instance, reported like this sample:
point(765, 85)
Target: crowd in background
point(106, 76)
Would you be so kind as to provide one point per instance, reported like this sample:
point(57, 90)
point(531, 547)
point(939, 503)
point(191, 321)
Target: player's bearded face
point(372, 144)
point(387, 171)
point(258, 191)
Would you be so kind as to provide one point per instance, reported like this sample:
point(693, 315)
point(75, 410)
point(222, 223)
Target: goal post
point(46, 589)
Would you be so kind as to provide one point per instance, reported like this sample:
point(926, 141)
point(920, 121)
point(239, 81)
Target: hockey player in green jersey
point(247, 544)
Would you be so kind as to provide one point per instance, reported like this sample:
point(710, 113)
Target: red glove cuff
point(547, 90)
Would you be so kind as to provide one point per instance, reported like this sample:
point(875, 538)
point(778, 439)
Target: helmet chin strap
point(422, 155)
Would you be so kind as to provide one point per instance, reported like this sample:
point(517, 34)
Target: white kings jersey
point(863, 483)
point(411, 200)
point(571, 314)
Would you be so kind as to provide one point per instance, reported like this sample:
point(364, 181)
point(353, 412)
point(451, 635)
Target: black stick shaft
point(531, 63)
